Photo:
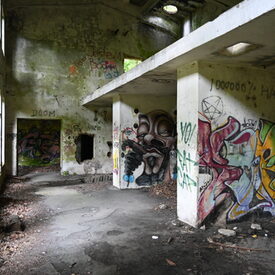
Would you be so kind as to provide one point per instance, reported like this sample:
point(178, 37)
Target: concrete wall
point(187, 128)
point(210, 11)
point(144, 140)
point(55, 55)
point(2, 126)
point(226, 145)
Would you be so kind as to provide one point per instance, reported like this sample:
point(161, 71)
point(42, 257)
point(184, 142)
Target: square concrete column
point(116, 141)
point(122, 121)
point(187, 157)
point(225, 157)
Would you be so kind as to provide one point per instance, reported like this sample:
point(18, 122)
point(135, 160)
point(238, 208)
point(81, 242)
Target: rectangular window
point(84, 147)
point(130, 63)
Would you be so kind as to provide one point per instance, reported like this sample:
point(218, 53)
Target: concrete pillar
point(116, 141)
point(187, 26)
point(122, 118)
point(187, 128)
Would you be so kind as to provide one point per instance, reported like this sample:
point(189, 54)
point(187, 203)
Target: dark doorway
point(38, 145)
point(84, 147)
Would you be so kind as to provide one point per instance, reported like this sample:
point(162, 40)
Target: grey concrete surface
point(109, 231)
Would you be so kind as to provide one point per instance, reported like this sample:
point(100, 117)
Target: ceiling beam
point(221, 4)
point(149, 5)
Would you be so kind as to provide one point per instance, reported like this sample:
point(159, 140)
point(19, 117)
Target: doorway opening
point(38, 145)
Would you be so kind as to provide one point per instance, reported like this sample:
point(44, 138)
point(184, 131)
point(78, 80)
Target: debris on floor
point(75, 227)
point(165, 190)
point(227, 232)
point(256, 226)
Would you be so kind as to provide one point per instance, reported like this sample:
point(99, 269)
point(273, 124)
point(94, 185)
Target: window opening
point(130, 63)
point(84, 147)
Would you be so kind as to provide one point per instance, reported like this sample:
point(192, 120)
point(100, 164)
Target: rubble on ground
point(166, 190)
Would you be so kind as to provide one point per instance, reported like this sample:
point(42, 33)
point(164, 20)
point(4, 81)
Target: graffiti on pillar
point(212, 107)
point(240, 163)
point(150, 152)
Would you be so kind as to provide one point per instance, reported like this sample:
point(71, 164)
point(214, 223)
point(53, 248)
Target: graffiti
point(116, 134)
point(151, 150)
point(73, 69)
point(249, 123)
point(267, 92)
point(212, 107)
point(110, 145)
point(108, 67)
point(129, 133)
point(115, 161)
point(43, 113)
point(258, 187)
point(173, 165)
point(187, 131)
point(184, 167)
point(245, 87)
point(238, 160)
point(38, 144)
point(101, 61)
point(237, 86)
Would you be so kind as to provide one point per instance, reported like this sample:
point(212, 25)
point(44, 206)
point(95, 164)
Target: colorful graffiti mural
point(38, 142)
point(150, 151)
point(240, 163)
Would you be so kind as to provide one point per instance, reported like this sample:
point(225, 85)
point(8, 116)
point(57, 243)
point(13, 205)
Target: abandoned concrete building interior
point(141, 94)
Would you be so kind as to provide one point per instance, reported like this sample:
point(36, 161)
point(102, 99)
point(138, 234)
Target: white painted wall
point(187, 128)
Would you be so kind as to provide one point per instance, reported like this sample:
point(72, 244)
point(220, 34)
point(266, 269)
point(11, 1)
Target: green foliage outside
point(130, 64)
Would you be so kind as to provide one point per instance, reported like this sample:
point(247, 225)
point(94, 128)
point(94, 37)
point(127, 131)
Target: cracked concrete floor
point(107, 231)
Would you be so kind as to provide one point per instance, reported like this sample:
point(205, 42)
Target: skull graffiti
point(155, 140)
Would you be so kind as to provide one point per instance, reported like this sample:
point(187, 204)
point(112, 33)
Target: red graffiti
point(72, 69)
point(210, 145)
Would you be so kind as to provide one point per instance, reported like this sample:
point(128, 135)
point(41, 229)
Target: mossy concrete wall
point(55, 55)
point(2, 86)
point(210, 11)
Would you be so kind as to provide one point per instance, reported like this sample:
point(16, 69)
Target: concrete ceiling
point(157, 75)
point(145, 10)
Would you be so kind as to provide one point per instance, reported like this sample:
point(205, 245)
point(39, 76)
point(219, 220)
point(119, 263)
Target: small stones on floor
point(170, 262)
point(170, 240)
point(161, 207)
point(176, 223)
point(203, 227)
point(2, 261)
point(256, 226)
point(227, 232)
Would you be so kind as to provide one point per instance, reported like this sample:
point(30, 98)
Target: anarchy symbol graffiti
point(212, 107)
